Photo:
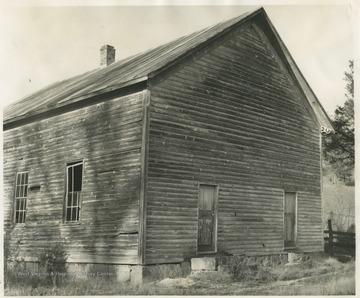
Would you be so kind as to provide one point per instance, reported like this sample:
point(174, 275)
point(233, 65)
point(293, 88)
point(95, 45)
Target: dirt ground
point(318, 278)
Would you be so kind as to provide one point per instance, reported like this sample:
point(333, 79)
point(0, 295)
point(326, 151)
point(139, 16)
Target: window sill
point(290, 248)
point(71, 223)
point(200, 253)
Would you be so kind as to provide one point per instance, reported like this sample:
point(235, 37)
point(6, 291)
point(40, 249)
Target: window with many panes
point(74, 176)
point(21, 192)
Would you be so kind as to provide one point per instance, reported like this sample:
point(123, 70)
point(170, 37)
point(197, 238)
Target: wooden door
point(207, 218)
point(289, 219)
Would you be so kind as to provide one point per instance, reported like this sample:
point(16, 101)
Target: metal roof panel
point(128, 70)
point(119, 72)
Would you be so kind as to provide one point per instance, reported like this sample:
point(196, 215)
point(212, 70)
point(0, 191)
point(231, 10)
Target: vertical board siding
point(230, 116)
point(107, 137)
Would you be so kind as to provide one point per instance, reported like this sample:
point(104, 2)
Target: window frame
point(79, 198)
point(24, 188)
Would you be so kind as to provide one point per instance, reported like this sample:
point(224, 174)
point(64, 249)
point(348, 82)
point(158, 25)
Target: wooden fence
point(339, 243)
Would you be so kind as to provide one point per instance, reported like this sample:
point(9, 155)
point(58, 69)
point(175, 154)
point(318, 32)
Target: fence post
point(330, 237)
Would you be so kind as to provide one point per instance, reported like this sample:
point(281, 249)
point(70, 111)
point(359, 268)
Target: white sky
point(43, 44)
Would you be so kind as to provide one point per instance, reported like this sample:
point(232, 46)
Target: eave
point(78, 102)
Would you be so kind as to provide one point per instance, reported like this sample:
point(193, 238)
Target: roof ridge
point(147, 64)
point(119, 72)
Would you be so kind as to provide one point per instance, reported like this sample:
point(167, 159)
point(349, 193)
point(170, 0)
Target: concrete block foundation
point(122, 272)
point(140, 274)
point(205, 264)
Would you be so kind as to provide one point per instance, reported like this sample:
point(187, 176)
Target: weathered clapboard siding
point(253, 215)
point(231, 116)
point(309, 222)
point(107, 137)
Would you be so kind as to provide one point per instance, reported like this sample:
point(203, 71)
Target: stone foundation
point(142, 274)
point(121, 273)
point(205, 264)
point(271, 260)
point(138, 274)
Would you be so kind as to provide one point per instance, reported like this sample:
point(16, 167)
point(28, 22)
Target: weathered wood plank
point(233, 118)
point(143, 182)
point(107, 137)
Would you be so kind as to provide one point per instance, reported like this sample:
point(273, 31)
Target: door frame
point(296, 219)
point(215, 226)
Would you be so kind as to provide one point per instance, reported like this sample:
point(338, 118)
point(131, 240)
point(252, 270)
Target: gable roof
point(139, 68)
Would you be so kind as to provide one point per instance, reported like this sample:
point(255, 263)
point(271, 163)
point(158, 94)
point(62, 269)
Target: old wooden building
point(209, 144)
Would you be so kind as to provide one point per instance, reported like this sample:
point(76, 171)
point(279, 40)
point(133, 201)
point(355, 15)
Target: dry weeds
point(312, 277)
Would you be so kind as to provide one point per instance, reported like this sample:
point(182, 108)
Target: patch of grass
point(68, 287)
point(244, 269)
point(340, 285)
point(72, 286)
point(338, 280)
point(311, 267)
point(24, 285)
point(160, 272)
point(17, 275)
point(212, 277)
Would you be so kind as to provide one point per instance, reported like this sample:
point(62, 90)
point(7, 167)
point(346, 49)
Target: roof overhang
point(320, 114)
point(73, 98)
point(94, 97)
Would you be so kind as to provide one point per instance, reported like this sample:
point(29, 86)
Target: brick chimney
point(107, 55)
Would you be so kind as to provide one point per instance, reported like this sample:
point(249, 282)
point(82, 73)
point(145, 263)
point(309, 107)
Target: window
point(21, 190)
point(290, 219)
point(74, 176)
